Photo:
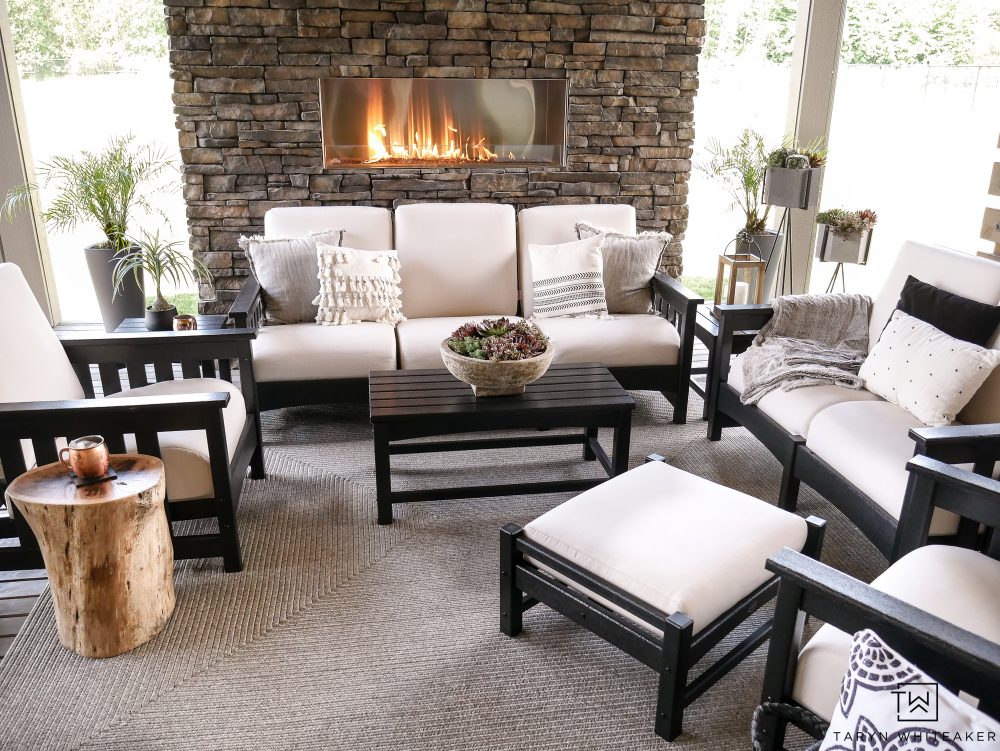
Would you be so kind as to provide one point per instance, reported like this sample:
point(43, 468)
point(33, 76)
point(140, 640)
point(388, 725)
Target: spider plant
point(161, 261)
point(106, 188)
point(740, 169)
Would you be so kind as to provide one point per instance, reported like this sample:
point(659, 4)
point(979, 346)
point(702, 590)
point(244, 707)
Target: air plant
point(161, 261)
point(845, 223)
point(498, 340)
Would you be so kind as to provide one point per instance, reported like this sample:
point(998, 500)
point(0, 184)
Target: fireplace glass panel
point(404, 122)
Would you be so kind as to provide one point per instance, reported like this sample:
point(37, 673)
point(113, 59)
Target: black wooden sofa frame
point(977, 444)
point(200, 354)
point(956, 658)
point(671, 299)
point(523, 585)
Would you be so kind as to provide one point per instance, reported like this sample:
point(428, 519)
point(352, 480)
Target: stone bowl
point(489, 378)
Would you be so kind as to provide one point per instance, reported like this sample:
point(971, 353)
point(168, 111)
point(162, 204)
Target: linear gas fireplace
point(405, 122)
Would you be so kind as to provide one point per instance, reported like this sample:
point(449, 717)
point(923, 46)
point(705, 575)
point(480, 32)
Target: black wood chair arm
point(245, 310)
point(743, 317)
point(152, 346)
point(957, 444)
point(121, 415)
point(949, 653)
point(674, 293)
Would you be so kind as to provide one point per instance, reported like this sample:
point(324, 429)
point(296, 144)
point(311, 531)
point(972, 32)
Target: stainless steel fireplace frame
point(508, 108)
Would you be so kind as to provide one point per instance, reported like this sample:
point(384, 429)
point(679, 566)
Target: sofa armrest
point(957, 658)
point(743, 317)
point(674, 293)
point(247, 310)
point(957, 444)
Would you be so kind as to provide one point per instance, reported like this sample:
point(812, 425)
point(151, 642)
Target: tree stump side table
point(107, 551)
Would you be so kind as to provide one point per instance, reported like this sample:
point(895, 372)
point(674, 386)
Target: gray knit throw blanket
point(811, 340)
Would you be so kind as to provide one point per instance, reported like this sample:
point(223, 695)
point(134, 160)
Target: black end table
point(409, 404)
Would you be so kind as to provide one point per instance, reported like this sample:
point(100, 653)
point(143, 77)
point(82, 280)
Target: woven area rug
point(340, 634)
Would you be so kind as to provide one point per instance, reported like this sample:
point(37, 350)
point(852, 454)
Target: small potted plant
point(790, 177)
point(497, 357)
point(845, 236)
point(161, 261)
point(104, 188)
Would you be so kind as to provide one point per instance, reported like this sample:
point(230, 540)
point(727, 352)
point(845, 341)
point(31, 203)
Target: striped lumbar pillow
point(568, 280)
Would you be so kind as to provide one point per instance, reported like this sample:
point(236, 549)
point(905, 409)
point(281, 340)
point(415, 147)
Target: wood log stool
point(107, 551)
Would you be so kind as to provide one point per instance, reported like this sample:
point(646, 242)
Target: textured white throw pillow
point(286, 272)
point(887, 702)
point(568, 280)
point(358, 285)
point(926, 372)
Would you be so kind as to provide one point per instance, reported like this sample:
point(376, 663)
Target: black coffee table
point(408, 404)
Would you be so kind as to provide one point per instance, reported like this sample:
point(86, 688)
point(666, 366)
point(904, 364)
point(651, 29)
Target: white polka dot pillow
point(926, 372)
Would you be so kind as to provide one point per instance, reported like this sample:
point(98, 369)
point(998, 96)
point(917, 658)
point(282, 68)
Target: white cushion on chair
point(365, 227)
point(868, 443)
point(552, 225)
point(622, 340)
point(185, 452)
point(420, 339)
point(35, 367)
point(309, 352)
point(674, 540)
point(956, 584)
point(457, 259)
point(794, 410)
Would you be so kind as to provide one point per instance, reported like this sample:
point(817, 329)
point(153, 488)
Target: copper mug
point(87, 456)
point(185, 322)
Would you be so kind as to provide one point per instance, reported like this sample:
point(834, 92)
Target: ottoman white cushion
point(672, 539)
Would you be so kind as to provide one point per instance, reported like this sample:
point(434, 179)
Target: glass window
point(744, 79)
point(915, 124)
point(90, 71)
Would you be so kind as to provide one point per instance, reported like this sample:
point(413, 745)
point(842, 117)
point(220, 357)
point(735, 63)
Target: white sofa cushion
point(638, 339)
point(307, 352)
point(552, 225)
point(956, 584)
point(674, 540)
point(568, 280)
point(420, 339)
point(365, 227)
point(357, 285)
point(926, 372)
point(185, 452)
point(35, 368)
point(457, 259)
point(868, 443)
point(794, 410)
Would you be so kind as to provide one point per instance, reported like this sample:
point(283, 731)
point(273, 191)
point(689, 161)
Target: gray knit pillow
point(629, 264)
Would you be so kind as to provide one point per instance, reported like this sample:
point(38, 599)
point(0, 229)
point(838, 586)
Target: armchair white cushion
point(956, 584)
point(185, 452)
point(457, 259)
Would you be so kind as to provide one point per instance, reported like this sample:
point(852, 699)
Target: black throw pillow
point(957, 316)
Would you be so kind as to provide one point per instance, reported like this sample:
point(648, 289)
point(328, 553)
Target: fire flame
point(402, 141)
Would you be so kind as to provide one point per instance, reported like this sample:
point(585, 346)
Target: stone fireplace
point(248, 85)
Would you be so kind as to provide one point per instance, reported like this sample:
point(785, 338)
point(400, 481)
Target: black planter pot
point(160, 320)
point(130, 302)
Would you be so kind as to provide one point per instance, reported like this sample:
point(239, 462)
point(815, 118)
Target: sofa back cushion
point(960, 273)
point(365, 227)
point(457, 259)
point(554, 225)
point(36, 368)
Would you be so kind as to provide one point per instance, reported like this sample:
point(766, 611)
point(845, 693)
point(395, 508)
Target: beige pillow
point(358, 285)
point(286, 272)
point(567, 280)
point(630, 261)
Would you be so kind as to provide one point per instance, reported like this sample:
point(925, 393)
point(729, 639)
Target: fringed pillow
point(286, 272)
point(358, 285)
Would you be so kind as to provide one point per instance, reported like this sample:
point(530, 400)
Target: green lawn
point(703, 286)
point(186, 302)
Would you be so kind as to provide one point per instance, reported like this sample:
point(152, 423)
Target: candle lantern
point(740, 279)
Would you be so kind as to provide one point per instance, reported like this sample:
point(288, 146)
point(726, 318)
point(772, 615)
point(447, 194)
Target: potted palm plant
point(160, 261)
point(741, 169)
point(104, 188)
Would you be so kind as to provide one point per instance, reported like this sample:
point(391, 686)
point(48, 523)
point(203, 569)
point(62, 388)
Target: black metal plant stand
point(838, 271)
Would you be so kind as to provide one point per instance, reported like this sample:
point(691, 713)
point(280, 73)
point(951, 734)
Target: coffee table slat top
point(400, 394)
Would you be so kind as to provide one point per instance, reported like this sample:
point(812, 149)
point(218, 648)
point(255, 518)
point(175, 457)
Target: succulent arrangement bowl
point(497, 357)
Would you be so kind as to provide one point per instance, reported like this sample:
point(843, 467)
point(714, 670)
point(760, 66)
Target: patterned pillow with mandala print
point(358, 285)
point(889, 704)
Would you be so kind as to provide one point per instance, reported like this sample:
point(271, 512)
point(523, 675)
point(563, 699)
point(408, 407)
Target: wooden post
point(107, 552)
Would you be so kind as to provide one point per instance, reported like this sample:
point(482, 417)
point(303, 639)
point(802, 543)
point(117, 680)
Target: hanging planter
point(791, 179)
